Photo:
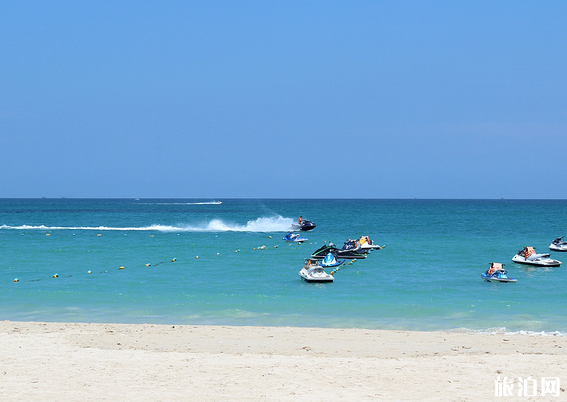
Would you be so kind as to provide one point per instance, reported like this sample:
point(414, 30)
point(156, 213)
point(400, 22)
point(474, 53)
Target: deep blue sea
point(193, 261)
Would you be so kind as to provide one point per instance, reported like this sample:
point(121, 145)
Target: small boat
point(294, 237)
point(558, 244)
point(330, 261)
point(304, 225)
point(366, 244)
point(352, 245)
point(313, 272)
point(496, 273)
point(321, 252)
point(528, 256)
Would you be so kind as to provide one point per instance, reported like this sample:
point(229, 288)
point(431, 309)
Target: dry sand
point(111, 362)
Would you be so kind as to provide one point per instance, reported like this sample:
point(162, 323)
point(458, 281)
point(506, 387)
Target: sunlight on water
point(182, 261)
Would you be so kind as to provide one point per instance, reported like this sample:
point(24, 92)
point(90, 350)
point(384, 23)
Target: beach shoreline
point(144, 362)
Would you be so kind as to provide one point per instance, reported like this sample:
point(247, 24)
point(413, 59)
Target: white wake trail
point(263, 224)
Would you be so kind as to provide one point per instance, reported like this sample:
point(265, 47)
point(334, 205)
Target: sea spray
point(262, 224)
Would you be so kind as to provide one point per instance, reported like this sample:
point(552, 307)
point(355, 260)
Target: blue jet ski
point(294, 237)
point(496, 273)
point(330, 260)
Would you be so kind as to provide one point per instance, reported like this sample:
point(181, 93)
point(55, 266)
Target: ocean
point(197, 261)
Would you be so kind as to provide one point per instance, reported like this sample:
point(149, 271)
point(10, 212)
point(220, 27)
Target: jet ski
point(558, 244)
point(304, 225)
point(352, 245)
point(307, 225)
point(496, 273)
point(294, 237)
point(330, 260)
point(366, 244)
point(528, 256)
point(321, 252)
point(313, 272)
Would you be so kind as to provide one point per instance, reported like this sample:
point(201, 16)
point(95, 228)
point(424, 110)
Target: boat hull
point(349, 255)
point(315, 279)
point(298, 240)
point(541, 263)
point(501, 280)
point(365, 247)
point(491, 278)
point(311, 280)
point(343, 256)
point(339, 262)
point(304, 226)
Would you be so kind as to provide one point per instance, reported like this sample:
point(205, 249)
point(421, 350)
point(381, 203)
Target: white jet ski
point(528, 256)
point(313, 272)
point(558, 244)
point(366, 244)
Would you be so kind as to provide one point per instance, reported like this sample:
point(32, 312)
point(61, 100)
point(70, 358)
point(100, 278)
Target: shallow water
point(426, 278)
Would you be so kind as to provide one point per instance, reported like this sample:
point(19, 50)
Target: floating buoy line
point(125, 267)
point(122, 267)
point(153, 265)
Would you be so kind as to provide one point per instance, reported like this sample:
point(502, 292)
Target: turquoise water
point(426, 278)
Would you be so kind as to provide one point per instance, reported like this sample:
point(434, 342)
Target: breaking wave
point(275, 224)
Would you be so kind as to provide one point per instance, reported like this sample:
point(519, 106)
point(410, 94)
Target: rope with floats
point(122, 267)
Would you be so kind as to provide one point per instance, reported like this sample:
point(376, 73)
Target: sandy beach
point(107, 362)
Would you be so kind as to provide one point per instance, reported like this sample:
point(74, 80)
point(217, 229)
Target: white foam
point(273, 224)
point(181, 203)
point(504, 331)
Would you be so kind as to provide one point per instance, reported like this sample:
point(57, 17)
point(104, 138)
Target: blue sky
point(283, 99)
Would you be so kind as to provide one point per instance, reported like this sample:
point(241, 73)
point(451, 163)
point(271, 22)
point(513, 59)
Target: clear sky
point(283, 99)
